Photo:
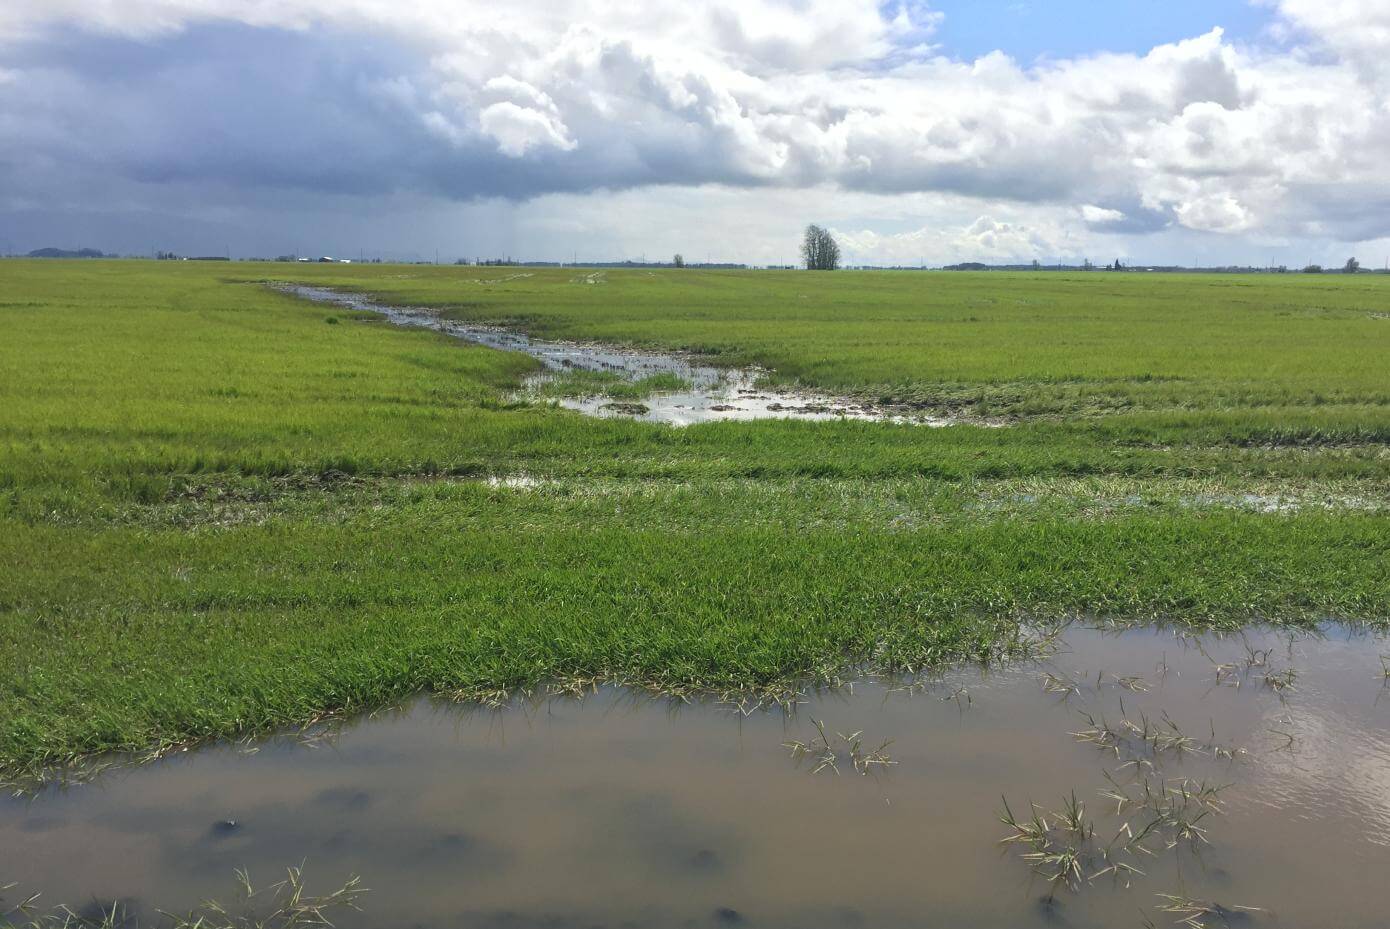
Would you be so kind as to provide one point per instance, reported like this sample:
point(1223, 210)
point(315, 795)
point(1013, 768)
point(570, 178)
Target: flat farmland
point(225, 509)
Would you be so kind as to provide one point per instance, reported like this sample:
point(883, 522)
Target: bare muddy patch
point(1144, 774)
point(707, 394)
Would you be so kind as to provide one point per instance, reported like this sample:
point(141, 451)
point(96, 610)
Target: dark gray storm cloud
point(236, 106)
point(327, 112)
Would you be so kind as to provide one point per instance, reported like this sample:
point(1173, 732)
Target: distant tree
point(1037, 265)
point(67, 253)
point(678, 261)
point(1313, 269)
point(1118, 266)
point(819, 250)
point(1352, 266)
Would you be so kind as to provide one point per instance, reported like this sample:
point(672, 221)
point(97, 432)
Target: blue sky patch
point(1028, 30)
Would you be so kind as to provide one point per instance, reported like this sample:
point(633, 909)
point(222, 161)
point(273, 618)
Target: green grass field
point(220, 511)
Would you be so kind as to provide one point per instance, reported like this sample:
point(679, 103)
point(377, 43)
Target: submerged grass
point(286, 904)
point(1152, 812)
point(220, 514)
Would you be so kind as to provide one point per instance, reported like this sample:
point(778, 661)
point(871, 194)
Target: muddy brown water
point(620, 810)
point(714, 395)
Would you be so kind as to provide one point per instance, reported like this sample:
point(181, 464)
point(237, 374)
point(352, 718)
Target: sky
point(1175, 132)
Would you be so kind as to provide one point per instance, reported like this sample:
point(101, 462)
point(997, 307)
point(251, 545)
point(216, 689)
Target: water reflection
point(621, 810)
point(714, 394)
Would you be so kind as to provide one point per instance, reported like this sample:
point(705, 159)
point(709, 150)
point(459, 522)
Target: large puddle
point(710, 394)
point(1252, 772)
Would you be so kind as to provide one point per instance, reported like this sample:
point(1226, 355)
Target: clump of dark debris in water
point(626, 407)
point(224, 828)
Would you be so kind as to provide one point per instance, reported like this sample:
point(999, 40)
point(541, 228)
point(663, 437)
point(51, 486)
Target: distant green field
point(220, 511)
point(1026, 341)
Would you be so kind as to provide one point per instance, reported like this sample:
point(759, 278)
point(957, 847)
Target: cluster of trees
point(1351, 267)
point(67, 253)
point(819, 250)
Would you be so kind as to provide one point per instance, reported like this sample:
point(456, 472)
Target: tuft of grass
point(286, 904)
point(1280, 681)
point(825, 755)
point(1201, 914)
point(578, 382)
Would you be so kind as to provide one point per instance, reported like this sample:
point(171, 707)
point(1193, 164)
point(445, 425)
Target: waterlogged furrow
point(900, 504)
point(676, 389)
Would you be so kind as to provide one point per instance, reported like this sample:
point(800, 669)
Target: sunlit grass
point(219, 512)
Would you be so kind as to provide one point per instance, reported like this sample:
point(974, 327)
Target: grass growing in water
point(218, 513)
point(583, 383)
point(286, 904)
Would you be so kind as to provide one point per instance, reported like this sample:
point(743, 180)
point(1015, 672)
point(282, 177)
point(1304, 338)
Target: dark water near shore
point(620, 810)
point(714, 394)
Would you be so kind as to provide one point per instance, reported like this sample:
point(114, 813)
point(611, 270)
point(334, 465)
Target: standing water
point(712, 395)
point(1246, 778)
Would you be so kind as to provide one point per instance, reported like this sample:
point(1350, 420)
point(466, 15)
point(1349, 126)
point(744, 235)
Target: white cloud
point(519, 92)
point(1215, 213)
point(518, 129)
point(1357, 28)
point(839, 97)
point(1099, 215)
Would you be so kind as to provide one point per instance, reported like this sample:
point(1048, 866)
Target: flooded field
point(710, 394)
point(1247, 775)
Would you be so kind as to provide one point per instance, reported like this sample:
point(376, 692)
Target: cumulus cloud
point(1359, 29)
point(1099, 215)
point(1216, 213)
point(518, 128)
point(461, 100)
